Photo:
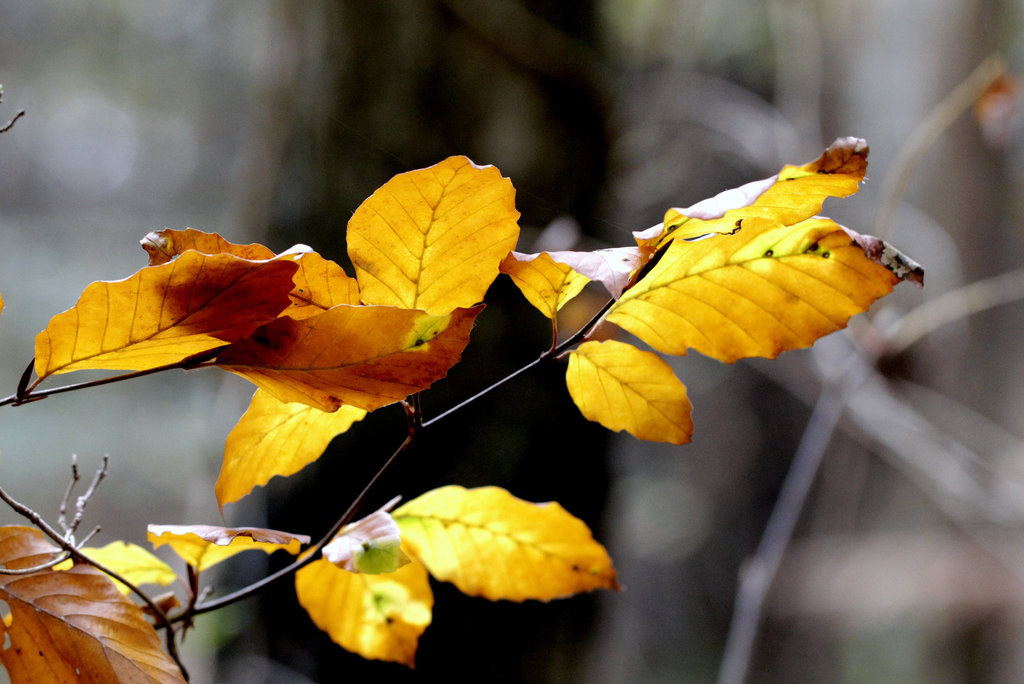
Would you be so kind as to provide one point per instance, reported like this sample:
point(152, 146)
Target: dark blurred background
point(272, 120)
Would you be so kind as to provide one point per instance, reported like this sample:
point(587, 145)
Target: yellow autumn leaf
point(276, 438)
point(131, 561)
point(376, 616)
point(794, 194)
point(164, 245)
point(319, 285)
point(545, 283)
point(623, 388)
point(432, 239)
point(489, 543)
point(363, 356)
point(164, 314)
point(767, 289)
point(203, 546)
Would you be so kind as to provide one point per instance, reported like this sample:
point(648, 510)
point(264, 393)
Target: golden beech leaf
point(432, 239)
point(545, 283)
point(489, 543)
point(319, 285)
point(164, 314)
point(276, 438)
point(796, 193)
point(164, 245)
point(203, 546)
point(72, 625)
point(363, 356)
point(623, 388)
point(765, 290)
point(376, 616)
point(134, 563)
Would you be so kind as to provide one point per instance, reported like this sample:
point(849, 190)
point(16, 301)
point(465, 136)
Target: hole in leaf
point(826, 255)
point(768, 253)
point(812, 248)
point(7, 641)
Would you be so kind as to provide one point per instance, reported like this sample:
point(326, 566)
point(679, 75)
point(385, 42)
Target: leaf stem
point(30, 394)
point(553, 353)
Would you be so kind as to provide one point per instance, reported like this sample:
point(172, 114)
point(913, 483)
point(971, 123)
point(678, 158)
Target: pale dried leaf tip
point(884, 254)
point(371, 545)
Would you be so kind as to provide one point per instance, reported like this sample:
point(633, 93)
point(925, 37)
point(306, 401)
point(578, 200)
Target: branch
point(757, 578)
point(308, 557)
point(27, 393)
point(926, 133)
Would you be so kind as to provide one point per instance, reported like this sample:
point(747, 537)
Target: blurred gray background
point(271, 121)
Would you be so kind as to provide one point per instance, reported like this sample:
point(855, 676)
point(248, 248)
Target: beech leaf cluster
point(754, 271)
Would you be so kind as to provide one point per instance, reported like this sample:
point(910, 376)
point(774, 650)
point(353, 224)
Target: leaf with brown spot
point(72, 625)
point(363, 356)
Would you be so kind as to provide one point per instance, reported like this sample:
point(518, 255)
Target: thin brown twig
point(307, 557)
point(62, 511)
point(924, 136)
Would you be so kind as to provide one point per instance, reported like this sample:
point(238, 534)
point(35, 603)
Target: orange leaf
point(71, 625)
point(376, 616)
point(164, 245)
point(489, 543)
point(364, 356)
point(623, 388)
point(164, 314)
point(765, 290)
point(276, 438)
point(432, 239)
point(203, 546)
point(319, 285)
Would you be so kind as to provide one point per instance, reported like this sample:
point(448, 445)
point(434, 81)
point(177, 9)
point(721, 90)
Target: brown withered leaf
point(72, 625)
point(363, 356)
point(164, 314)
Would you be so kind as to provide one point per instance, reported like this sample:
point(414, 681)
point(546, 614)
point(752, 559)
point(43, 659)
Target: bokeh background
point(272, 120)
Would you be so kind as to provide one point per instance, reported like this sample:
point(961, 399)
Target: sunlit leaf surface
point(489, 543)
point(276, 438)
point(377, 616)
point(623, 388)
point(432, 239)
